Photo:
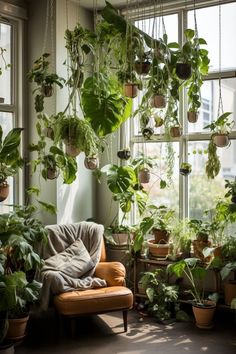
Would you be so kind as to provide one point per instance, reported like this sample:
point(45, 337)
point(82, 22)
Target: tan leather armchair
point(114, 297)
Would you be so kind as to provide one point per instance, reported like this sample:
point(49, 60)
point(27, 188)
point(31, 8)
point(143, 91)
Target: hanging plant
point(185, 168)
point(44, 79)
point(91, 162)
point(221, 128)
point(103, 103)
point(124, 154)
point(212, 167)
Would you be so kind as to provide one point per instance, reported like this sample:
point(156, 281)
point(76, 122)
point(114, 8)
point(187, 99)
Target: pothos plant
point(44, 79)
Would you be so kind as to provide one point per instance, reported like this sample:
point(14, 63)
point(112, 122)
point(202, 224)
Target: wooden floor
point(104, 335)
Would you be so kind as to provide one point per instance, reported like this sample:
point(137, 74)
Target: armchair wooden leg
point(125, 319)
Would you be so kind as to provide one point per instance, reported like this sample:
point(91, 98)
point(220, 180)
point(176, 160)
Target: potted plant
point(10, 158)
point(142, 165)
point(142, 63)
point(180, 239)
point(203, 309)
point(202, 231)
point(77, 135)
point(185, 168)
point(162, 297)
point(228, 258)
point(91, 162)
point(221, 129)
point(19, 235)
point(231, 186)
point(44, 79)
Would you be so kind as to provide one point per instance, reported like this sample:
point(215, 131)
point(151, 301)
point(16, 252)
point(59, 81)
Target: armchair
point(101, 289)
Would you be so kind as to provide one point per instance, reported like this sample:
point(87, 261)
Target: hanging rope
point(195, 18)
point(220, 104)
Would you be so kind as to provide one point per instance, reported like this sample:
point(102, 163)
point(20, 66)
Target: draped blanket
point(71, 256)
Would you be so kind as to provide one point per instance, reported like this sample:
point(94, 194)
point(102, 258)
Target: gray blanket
point(71, 256)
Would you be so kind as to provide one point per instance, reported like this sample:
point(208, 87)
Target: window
point(200, 192)
point(9, 99)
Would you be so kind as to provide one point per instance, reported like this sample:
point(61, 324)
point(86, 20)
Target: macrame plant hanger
point(220, 109)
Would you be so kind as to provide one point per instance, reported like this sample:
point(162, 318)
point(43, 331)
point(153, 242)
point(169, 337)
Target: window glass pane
point(6, 121)
point(210, 32)
point(210, 98)
point(5, 78)
point(204, 192)
point(159, 151)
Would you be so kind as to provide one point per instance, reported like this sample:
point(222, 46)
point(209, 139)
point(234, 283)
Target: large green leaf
point(106, 109)
point(11, 142)
point(119, 179)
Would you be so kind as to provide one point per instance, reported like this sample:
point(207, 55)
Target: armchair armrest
point(112, 272)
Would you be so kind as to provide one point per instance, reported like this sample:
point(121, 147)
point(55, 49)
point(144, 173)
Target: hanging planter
point(47, 90)
point(158, 101)
point(158, 121)
point(183, 71)
point(175, 132)
point(130, 90)
point(221, 129)
point(144, 175)
point(2, 99)
point(192, 117)
point(48, 132)
point(91, 163)
point(72, 150)
point(52, 173)
point(124, 154)
point(142, 68)
point(4, 191)
point(220, 140)
point(185, 168)
point(147, 133)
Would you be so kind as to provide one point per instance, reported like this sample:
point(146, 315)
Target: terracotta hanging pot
point(144, 175)
point(48, 132)
point(130, 90)
point(183, 71)
point(47, 90)
point(158, 101)
point(175, 132)
point(204, 314)
point(220, 140)
point(72, 150)
point(4, 191)
point(52, 173)
point(91, 163)
point(142, 68)
point(192, 117)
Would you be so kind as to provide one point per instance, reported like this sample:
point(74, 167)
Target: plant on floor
point(20, 234)
point(44, 80)
point(162, 297)
point(10, 158)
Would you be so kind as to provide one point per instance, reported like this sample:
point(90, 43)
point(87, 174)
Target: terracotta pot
point(4, 191)
point(230, 291)
point(52, 173)
point(220, 140)
point(72, 150)
point(17, 327)
point(192, 117)
point(47, 90)
point(204, 314)
point(130, 90)
point(158, 101)
point(175, 132)
point(91, 163)
point(122, 238)
point(157, 249)
point(198, 246)
point(144, 175)
point(142, 68)
point(161, 236)
point(183, 71)
point(48, 132)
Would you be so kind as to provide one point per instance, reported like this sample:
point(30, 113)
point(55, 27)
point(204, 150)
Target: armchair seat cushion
point(112, 298)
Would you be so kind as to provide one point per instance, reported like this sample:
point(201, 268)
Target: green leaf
point(11, 142)
point(49, 207)
point(162, 184)
point(189, 33)
point(33, 190)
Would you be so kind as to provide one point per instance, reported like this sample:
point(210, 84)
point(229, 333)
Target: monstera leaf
point(104, 105)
